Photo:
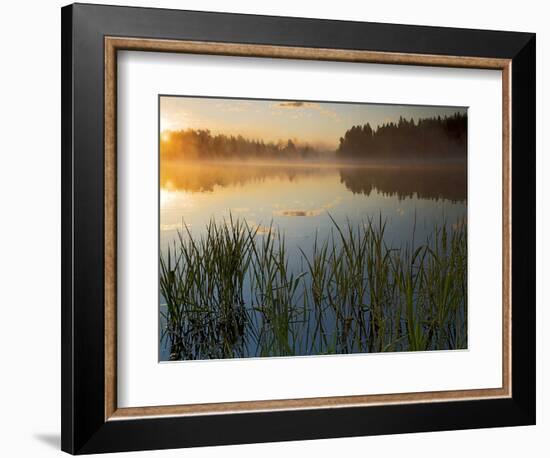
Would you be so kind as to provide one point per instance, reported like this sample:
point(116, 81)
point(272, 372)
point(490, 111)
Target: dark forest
point(439, 138)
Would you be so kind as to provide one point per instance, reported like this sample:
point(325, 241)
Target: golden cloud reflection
point(261, 229)
point(315, 212)
point(309, 212)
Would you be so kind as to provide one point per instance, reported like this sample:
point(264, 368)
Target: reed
point(231, 292)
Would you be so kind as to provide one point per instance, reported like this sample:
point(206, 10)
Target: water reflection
point(302, 203)
point(441, 181)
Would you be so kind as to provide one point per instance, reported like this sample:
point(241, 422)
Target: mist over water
point(434, 180)
point(297, 198)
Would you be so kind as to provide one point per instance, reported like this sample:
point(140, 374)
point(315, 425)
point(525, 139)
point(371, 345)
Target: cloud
point(321, 108)
point(296, 104)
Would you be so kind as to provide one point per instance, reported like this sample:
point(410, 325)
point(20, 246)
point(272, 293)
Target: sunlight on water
point(298, 199)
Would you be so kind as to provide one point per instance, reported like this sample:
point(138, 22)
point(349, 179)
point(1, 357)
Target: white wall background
point(30, 227)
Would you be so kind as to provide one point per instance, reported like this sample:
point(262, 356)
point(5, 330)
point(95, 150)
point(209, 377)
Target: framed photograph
point(282, 228)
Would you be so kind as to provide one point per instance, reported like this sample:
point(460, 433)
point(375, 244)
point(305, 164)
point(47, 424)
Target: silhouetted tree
point(428, 138)
point(192, 144)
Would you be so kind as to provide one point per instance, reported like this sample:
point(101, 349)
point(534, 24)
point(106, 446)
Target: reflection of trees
point(197, 176)
point(446, 182)
point(429, 182)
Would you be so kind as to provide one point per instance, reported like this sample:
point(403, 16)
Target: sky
point(319, 124)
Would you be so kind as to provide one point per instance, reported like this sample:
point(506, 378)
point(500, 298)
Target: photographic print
point(307, 228)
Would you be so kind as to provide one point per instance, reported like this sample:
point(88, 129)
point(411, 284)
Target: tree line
point(192, 144)
point(434, 137)
point(428, 138)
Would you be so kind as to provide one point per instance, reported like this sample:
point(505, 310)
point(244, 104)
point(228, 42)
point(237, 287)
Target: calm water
point(297, 199)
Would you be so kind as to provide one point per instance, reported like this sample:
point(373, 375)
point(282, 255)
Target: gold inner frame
point(112, 45)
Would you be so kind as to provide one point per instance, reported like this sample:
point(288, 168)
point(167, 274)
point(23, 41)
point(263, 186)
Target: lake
point(304, 201)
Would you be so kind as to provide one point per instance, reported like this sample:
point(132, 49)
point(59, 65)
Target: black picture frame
point(84, 429)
